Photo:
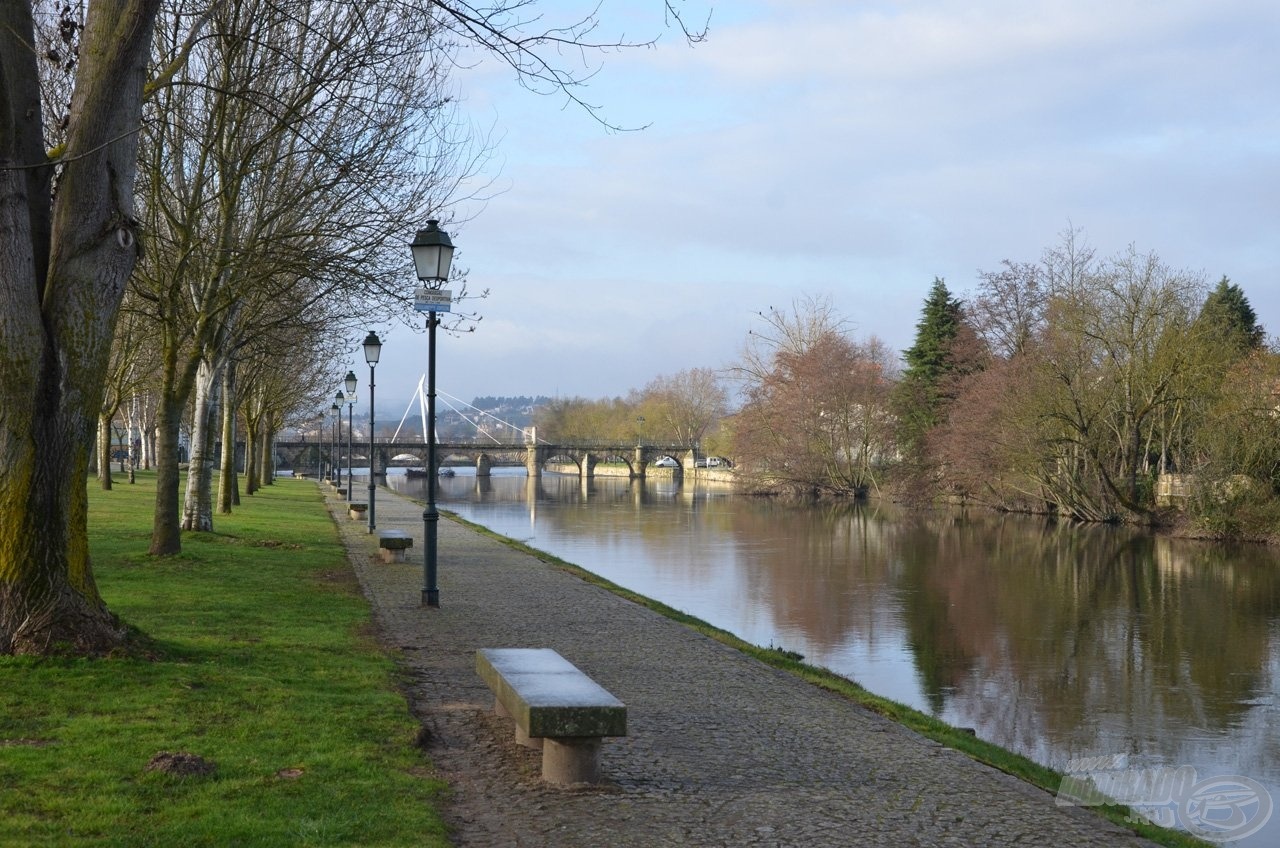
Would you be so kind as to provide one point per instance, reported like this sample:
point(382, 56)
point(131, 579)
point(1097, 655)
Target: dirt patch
point(276, 543)
point(25, 743)
point(182, 764)
point(342, 578)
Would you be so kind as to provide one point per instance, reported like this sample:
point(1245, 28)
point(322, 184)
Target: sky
point(849, 150)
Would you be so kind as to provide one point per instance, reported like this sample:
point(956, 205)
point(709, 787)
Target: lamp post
point(338, 400)
point(333, 442)
point(318, 422)
point(350, 383)
point(432, 255)
point(372, 350)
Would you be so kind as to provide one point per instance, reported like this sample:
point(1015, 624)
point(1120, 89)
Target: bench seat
point(392, 545)
point(556, 708)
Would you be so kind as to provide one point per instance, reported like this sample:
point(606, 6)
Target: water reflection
point(1055, 640)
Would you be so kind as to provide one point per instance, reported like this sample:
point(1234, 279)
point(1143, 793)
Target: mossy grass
point(922, 723)
point(250, 650)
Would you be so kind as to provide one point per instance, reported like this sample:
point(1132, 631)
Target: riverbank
point(723, 748)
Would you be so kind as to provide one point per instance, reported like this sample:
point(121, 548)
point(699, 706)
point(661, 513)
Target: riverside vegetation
point(252, 651)
point(1073, 386)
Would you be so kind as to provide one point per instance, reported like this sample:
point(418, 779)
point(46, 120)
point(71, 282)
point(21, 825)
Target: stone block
point(555, 707)
point(392, 545)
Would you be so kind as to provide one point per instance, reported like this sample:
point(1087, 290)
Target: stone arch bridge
point(310, 457)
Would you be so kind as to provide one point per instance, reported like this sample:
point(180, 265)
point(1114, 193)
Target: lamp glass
point(372, 349)
point(432, 252)
point(350, 383)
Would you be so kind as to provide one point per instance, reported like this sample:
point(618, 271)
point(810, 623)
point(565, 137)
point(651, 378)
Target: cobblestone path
point(723, 750)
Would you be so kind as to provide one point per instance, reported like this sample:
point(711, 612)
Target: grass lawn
point(254, 653)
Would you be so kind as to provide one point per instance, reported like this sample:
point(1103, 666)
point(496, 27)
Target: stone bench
point(340, 491)
point(392, 544)
point(556, 708)
point(357, 510)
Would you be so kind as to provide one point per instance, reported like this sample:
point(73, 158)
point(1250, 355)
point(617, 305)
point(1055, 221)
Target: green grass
point(922, 723)
point(251, 649)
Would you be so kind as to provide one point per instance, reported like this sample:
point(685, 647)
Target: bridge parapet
point(586, 454)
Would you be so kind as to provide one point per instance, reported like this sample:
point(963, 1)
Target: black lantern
point(432, 253)
point(372, 350)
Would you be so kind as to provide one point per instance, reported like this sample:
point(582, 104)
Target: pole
point(349, 406)
point(333, 441)
point(430, 516)
point(373, 464)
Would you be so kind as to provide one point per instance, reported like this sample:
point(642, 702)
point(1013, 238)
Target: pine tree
point(1232, 319)
point(930, 361)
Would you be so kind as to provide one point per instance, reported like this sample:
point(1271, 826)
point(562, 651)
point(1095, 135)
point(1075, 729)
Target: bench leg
point(389, 555)
point(571, 760)
point(522, 738)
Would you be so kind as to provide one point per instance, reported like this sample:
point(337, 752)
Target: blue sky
point(855, 150)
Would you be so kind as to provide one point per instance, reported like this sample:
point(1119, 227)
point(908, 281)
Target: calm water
point(1056, 641)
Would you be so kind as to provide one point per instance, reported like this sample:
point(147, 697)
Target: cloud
point(861, 149)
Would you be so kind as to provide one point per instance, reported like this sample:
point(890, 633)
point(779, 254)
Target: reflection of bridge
point(308, 457)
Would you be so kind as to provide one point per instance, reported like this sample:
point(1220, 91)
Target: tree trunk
point(147, 431)
point(104, 452)
point(266, 461)
point(63, 269)
point(251, 431)
point(228, 484)
point(197, 511)
point(166, 535)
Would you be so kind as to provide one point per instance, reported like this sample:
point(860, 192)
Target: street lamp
point(350, 383)
point(338, 400)
point(334, 412)
point(372, 350)
point(432, 256)
point(318, 423)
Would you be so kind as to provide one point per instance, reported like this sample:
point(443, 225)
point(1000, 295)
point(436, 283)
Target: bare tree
point(816, 413)
point(1009, 307)
point(64, 263)
point(684, 407)
point(1087, 410)
point(787, 332)
point(274, 191)
point(63, 267)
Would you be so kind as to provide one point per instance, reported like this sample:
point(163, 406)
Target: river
point(1100, 651)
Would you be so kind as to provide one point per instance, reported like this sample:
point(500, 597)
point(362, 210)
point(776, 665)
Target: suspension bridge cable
point(486, 413)
point(460, 414)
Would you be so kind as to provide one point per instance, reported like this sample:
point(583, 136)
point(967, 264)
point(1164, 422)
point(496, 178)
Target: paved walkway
point(723, 750)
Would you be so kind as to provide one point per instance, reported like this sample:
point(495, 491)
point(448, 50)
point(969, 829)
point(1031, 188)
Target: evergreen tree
point(938, 327)
point(1228, 313)
point(929, 362)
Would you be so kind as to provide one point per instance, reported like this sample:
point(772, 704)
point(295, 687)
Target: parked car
point(666, 462)
point(713, 462)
